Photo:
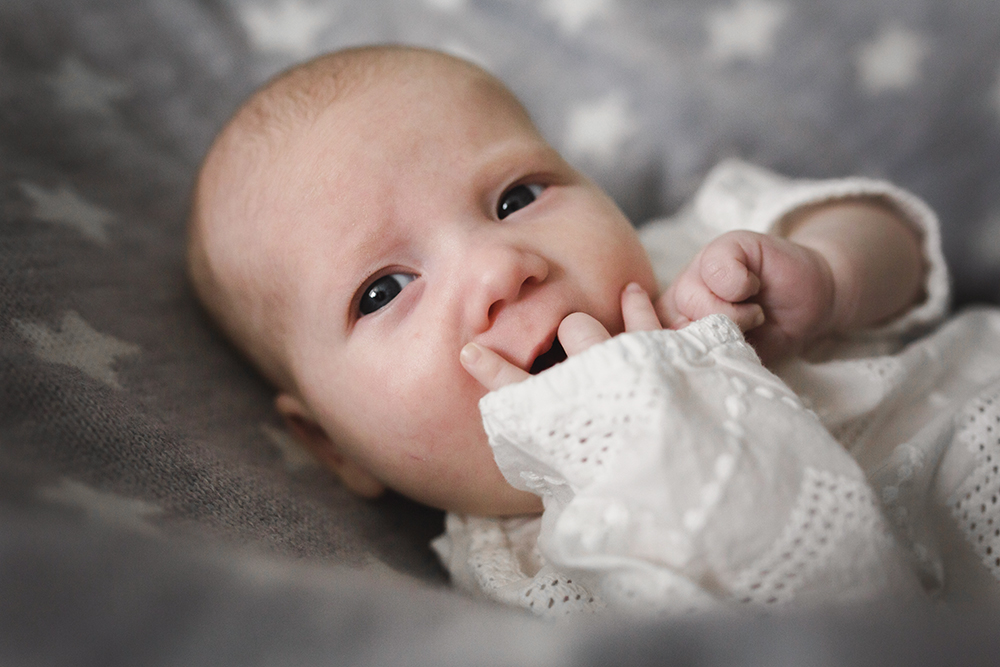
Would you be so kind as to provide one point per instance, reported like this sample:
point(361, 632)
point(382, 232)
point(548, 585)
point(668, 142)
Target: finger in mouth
point(549, 358)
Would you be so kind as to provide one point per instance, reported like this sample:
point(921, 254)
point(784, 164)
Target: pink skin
point(412, 188)
point(842, 265)
point(746, 275)
point(577, 332)
point(403, 178)
point(740, 274)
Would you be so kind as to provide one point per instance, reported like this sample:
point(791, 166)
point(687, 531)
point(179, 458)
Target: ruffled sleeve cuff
point(737, 195)
point(677, 473)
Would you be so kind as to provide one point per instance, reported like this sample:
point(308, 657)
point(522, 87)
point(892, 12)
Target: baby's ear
point(307, 430)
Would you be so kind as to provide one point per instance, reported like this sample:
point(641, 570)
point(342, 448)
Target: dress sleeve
point(736, 195)
point(677, 473)
point(497, 558)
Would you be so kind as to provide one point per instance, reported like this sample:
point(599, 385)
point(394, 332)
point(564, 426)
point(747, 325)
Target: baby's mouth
point(549, 358)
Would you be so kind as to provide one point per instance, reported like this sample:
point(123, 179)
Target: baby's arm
point(840, 266)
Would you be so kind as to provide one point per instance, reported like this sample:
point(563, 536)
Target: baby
point(387, 236)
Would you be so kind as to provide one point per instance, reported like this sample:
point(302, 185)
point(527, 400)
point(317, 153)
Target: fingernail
point(758, 319)
point(470, 354)
point(635, 288)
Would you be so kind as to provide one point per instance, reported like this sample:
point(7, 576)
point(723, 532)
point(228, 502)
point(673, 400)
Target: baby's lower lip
point(549, 358)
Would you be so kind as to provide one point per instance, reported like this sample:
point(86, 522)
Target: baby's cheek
point(445, 403)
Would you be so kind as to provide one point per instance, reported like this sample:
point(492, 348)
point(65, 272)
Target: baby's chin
point(493, 497)
point(515, 503)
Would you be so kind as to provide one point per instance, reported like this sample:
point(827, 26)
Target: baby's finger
point(489, 368)
point(747, 316)
point(578, 331)
point(637, 310)
point(725, 269)
point(688, 300)
point(666, 310)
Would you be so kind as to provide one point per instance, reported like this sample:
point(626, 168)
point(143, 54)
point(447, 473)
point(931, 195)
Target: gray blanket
point(152, 510)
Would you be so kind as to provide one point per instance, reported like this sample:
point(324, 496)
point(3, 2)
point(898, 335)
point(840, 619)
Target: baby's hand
point(577, 332)
point(779, 292)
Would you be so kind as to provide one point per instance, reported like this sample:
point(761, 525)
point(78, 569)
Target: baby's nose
point(501, 275)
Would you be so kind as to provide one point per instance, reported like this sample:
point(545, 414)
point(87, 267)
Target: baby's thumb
point(489, 368)
point(579, 331)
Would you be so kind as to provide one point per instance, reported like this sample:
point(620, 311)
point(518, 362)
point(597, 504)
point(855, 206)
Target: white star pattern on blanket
point(107, 108)
point(64, 207)
point(745, 30)
point(79, 88)
point(103, 506)
point(75, 343)
point(446, 5)
point(892, 60)
point(464, 51)
point(572, 15)
point(597, 129)
point(288, 26)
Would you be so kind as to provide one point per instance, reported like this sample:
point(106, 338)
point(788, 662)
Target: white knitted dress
point(679, 474)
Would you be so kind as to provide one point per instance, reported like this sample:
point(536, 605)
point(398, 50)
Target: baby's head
point(364, 216)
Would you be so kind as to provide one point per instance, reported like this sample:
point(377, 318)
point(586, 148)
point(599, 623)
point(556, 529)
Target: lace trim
point(594, 406)
point(581, 445)
point(650, 592)
point(975, 505)
point(830, 507)
point(903, 484)
point(885, 372)
point(551, 593)
point(498, 574)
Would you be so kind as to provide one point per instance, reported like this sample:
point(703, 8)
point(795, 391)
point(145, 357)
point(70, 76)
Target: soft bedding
point(152, 509)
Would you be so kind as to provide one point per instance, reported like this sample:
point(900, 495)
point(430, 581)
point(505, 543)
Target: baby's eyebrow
point(524, 154)
point(359, 247)
point(372, 238)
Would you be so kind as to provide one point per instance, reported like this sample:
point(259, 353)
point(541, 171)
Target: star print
point(571, 15)
point(294, 455)
point(462, 50)
point(892, 60)
point(78, 345)
point(446, 5)
point(63, 206)
point(745, 30)
point(81, 89)
point(101, 505)
point(598, 130)
point(288, 26)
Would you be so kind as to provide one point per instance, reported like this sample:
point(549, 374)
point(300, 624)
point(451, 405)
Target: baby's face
point(413, 217)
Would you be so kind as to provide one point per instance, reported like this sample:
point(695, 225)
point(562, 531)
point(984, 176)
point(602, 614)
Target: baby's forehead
point(322, 130)
point(323, 108)
point(427, 120)
point(371, 76)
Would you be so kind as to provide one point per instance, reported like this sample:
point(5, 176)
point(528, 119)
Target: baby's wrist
point(838, 290)
point(873, 255)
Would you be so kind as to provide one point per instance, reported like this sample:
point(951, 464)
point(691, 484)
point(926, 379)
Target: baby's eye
point(517, 198)
point(382, 291)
